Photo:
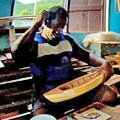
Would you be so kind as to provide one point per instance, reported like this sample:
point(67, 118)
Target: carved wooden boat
point(75, 87)
point(114, 59)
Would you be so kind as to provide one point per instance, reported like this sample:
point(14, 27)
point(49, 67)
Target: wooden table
point(114, 112)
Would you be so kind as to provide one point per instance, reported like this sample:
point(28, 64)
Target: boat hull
point(75, 87)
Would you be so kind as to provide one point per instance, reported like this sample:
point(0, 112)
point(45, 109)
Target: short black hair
point(59, 10)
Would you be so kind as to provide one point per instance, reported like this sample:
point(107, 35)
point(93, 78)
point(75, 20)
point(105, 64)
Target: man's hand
point(41, 17)
point(107, 70)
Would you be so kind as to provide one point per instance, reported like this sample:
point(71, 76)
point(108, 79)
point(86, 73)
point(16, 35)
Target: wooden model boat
point(114, 59)
point(75, 87)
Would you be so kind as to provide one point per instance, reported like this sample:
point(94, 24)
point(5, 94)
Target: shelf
point(15, 89)
point(14, 104)
point(16, 80)
point(17, 116)
point(18, 93)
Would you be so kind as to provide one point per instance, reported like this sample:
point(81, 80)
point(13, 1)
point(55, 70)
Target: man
point(49, 54)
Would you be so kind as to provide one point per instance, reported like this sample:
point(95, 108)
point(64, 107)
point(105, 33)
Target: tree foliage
point(28, 9)
point(24, 12)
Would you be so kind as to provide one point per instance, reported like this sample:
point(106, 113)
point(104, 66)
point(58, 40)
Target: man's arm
point(105, 66)
point(84, 55)
point(25, 48)
point(30, 33)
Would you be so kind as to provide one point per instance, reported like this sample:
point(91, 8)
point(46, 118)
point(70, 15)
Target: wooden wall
point(86, 16)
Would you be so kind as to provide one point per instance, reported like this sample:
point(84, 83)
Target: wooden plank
point(113, 80)
point(4, 20)
point(97, 17)
point(79, 23)
point(86, 8)
point(4, 31)
point(17, 116)
point(96, 2)
point(80, 2)
point(14, 104)
point(23, 92)
point(87, 16)
point(16, 80)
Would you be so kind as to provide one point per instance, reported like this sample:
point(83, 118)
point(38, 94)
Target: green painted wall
point(5, 10)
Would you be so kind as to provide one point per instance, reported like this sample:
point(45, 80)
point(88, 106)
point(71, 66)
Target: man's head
point(54, 24)
point(57, 18)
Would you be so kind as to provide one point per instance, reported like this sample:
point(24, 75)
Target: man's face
point(54, 28)
point(58, 24)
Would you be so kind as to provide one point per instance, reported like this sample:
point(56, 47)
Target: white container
point(43, 117)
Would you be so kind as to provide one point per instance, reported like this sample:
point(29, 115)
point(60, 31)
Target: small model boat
point(114, 59)
point(75, 88)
